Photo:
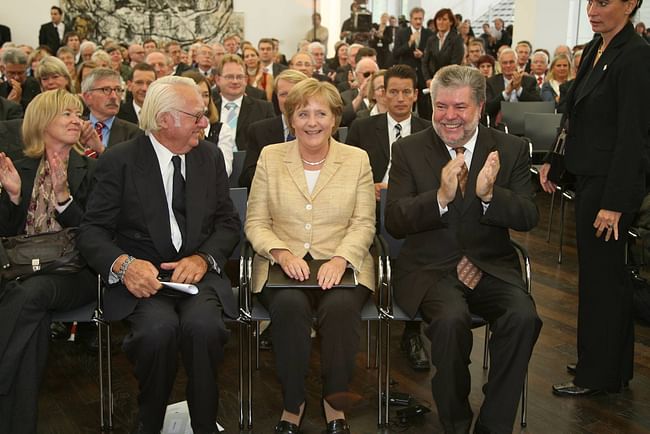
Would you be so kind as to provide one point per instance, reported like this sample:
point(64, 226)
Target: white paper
point(183, 287)
point(177, 420)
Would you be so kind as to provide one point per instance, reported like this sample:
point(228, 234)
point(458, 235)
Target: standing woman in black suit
point(45, 192)
point(606, 149)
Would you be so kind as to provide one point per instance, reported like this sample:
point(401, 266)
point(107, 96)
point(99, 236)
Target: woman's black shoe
point(284, 427)
point(338, 426)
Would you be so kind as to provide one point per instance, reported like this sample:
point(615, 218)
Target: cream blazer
point(337, 219)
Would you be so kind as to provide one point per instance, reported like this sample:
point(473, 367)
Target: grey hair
point(85, 44)
point(98, 74)
point(509, 50)
point(543, 54)
point(455, 76)
point(315, 44)
point(14, 56)
point(162, 97)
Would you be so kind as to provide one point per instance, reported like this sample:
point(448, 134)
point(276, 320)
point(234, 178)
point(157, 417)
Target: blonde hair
point(51, 65)
point(291, 75)
point(305, 90)
point(40, 112)
point(550, 76)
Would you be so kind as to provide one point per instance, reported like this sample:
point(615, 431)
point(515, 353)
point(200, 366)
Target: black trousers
point(605, 317)
point(338, 315)
point(160, 327)
point(515, 327)
point(25, 312)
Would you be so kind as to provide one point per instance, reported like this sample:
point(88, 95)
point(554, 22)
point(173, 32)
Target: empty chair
point(238, 158)
point(513, 113)
point(541, 129)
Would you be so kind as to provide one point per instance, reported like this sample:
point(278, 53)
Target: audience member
point(52, 74)
point(141, 78)
point(205, 60)
point(231, 44)
point(18, 87)
point(44, 192)
point(237, 109)
point(86, 50)
point(258, 77)
point(486, 65)
point(267, 57)
point(457, 259)
point(445, 46)
point(136, 54)
point(474, 52)
point(9, 110)
point(149, 45)
point(102, 93)
point(156, 185)
point(559, 73)
point(317, 33)
point(523, 49)
point(538, 68)
point(51, 34)
point(72, 41)
point(161, 63)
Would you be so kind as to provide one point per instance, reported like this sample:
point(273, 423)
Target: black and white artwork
point(183, 21)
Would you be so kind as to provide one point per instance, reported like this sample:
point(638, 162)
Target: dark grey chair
point(238, 158)
point(513, 113)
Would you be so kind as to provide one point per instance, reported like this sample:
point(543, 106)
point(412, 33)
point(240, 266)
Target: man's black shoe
point(59, 331)
point(415, 352)
point(265, 339)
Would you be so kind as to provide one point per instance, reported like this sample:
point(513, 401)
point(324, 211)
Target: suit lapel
point(151, 194)
point(595, 75)
point(27, 169)
point(437, 155)
point(77, 168)
point(330, 167)
point(383, 139)
point(293, 163)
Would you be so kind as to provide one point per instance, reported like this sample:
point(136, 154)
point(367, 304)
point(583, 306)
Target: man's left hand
point(190, 269)
point(487, 176)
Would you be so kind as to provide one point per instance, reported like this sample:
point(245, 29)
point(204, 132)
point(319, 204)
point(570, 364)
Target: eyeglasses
point(367, 74)
point(107, 90)
point(231, 77)
point(197, 116)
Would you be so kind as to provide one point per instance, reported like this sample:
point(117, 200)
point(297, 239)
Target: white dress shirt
point(392, 137)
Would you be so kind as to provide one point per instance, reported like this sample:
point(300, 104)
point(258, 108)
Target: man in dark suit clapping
point(455, 191)
point(161, 212)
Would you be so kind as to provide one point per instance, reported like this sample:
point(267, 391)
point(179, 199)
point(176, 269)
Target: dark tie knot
point(176, 161)
point(460, 150)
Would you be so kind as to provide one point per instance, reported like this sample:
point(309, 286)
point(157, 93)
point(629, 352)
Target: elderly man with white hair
point(160, 218)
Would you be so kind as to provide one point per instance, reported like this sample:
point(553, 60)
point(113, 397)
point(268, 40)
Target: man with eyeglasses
point(235, 108)
point(161, 212)
point(142, 76)
point(356, 98)
point(18, 87)
point(102, 92)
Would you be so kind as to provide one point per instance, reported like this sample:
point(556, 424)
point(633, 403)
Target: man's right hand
point(449, 180)
point(16, 91)
point(141, 277)
point(379, 186)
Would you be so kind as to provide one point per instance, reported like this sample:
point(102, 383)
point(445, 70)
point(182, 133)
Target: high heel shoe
point(286, 427)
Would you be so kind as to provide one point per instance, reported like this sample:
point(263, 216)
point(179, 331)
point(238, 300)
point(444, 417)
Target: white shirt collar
point(469, 149)
point(225, 101)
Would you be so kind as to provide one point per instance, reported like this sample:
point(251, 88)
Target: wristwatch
point(212, 264)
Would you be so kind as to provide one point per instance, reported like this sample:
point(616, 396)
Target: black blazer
point(451, 53)
point(251, 110)
point(9, 110)
point(260, 133)
point(371, 135)
point(5, 34)
point(80, 181)
point(127, 112)
point(608, 119)
point(496, 86)
point(128, 213)
point(434, 244)
point(49, 35)
point(403, 52)
point(11, 139)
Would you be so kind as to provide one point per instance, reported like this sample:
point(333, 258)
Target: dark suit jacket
point(128, 213)
point(11, 138)
point(452, 53)
point(80, 181)
point(30, 87)
point(127, 113)
point(49, 35)
point(435, 244)
point(349, 114)
point(260, 133)
point(495, 87)
point(403, 52)
point(278, 68)
point(371, 135)
point(181, 68)
point(251, 110)
point(121, 131)
point(9, 110)
point(608, 129)
point(5, 34)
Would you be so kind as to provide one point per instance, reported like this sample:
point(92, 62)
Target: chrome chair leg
point(486, 350)
point(562, 209)
point(550, 218)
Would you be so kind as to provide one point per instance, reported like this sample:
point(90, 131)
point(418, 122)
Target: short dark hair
point(365, 52)
point(58, 9)
point(69, 35)
point(530, 46)
point(264, 41)
point(445, 11)
point(141, 67)
point(401, 71)
point(150, 40)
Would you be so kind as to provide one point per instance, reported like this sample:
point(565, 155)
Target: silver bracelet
point(125, 265)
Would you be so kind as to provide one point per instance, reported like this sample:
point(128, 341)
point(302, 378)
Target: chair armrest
point(523, 254)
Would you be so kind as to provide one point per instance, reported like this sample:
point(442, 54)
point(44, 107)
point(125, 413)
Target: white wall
point(25, 17)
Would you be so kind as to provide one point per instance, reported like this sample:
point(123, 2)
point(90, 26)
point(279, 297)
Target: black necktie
point(178, 196)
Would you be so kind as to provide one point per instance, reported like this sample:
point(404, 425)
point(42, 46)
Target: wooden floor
point(69, 399)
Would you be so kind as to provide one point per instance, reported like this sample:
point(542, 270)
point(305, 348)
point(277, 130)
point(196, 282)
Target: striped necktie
point(232, 115)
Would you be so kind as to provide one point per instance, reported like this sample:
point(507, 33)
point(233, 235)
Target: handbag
point(557, 172)
point(278, 279)
point(24, 256)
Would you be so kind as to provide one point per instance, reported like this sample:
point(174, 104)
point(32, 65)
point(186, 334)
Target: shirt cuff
point(61, 208)
point(112, 276)
point(442, 210)
point(485, 206)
